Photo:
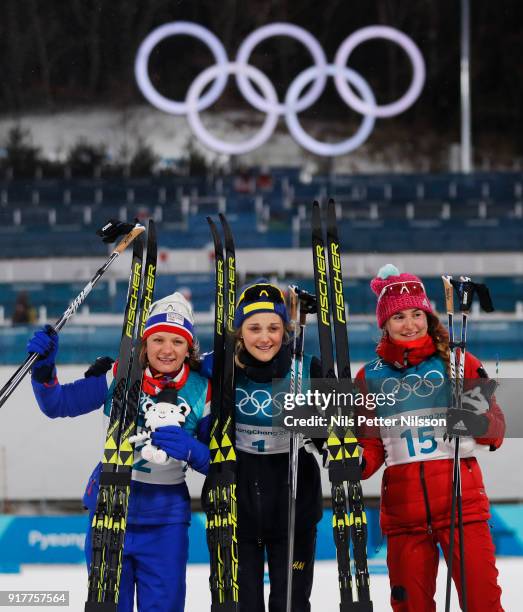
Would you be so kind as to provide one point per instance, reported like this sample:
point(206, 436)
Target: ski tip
point(224, 222)
point(212, 225)
point(227, 232)
point(151, 229)
point(332, 213)
point(316, 218)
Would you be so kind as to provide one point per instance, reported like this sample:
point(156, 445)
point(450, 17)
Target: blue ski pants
point(153, 565)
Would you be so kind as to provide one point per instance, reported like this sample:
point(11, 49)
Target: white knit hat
point(172, 314)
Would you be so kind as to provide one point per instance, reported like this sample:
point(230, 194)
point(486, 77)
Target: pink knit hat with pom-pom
point(397, 292)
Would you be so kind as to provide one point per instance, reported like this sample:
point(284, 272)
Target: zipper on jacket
point(425, 496)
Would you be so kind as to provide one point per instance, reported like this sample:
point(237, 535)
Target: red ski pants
point(413, 560)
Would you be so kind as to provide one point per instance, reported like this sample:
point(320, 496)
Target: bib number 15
point(427, 441)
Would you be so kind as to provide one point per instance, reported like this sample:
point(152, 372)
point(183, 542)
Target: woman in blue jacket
point(156, 541)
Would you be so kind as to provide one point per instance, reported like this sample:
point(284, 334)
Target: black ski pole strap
point(113, 229)
point(485, 301)
point(465, 291)
point(308, 301)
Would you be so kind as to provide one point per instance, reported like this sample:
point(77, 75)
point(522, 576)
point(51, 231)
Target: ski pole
point(449, 302)
point(302, 303)
point(466, 295)
point(18, 376)
point(465, 291)
point(293, 454)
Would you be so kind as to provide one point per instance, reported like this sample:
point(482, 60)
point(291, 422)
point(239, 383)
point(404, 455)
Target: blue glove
point(180, 444)
point(206, 364)
point(45, 343)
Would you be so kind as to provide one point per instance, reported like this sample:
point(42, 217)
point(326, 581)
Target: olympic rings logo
point(268, 102)
point(403, 388)
point(258, 401)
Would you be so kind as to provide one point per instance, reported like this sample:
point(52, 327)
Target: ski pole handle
point(20, 373)
point(449, 293)
point(129, 238)
point(293, 303)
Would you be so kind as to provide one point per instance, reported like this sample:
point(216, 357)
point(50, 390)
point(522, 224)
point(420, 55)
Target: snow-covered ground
point(55, 133)
point(324, 595)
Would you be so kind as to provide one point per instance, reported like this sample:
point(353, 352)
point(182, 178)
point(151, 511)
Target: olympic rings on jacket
point(260, 400)
point(413, 384)
point(268, 102)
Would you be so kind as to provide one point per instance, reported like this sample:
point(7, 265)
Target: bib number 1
point(260, 445)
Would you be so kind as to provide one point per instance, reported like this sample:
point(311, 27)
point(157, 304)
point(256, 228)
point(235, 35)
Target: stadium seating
point(507, 291)
point(452, 212)
point(447, 213)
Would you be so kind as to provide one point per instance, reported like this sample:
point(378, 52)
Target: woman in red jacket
point(413, 368)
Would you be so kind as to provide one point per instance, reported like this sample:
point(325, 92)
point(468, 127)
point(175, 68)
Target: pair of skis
point(342, 445)
point(219, 499)
point(465, 289)
point(109, 519)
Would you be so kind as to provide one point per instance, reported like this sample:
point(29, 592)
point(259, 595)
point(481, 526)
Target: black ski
point(109, 520)
point(220, 498)
point(342, 444)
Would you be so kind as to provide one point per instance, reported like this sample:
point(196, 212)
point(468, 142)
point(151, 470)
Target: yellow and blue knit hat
point(260, 296)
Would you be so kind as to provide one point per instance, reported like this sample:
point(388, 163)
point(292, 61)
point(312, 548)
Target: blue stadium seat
point(35, 218)
point(49, 193)
point(429, 209)
point(465, 210)
point(6, 218)
point(82, 192)
point(18, 192)
point(101, 213)
point(401, 190)
point(69, 216)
